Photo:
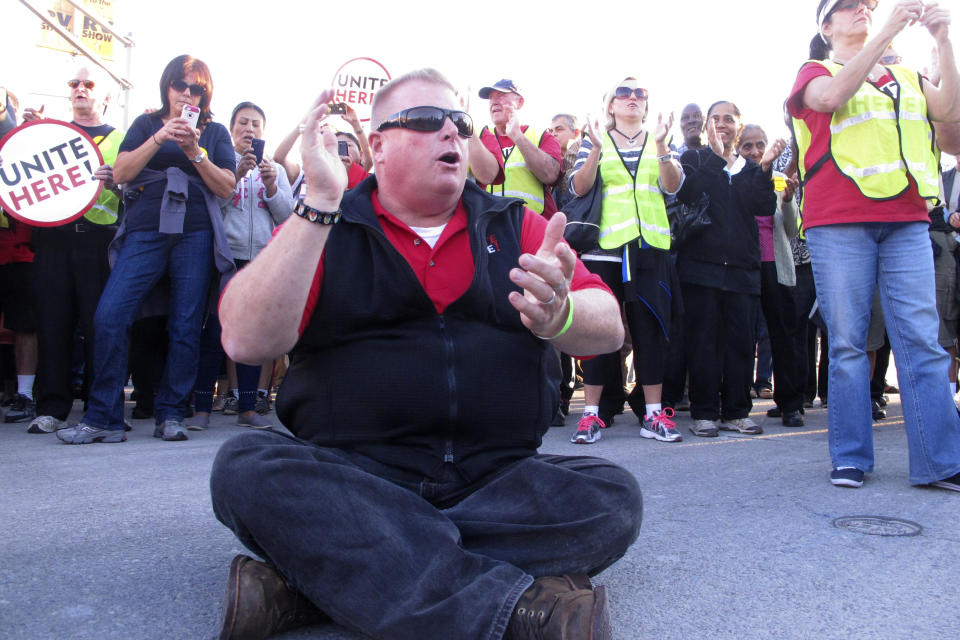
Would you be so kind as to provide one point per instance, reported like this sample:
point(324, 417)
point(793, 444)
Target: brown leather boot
point(561, 608)
point(259, 603)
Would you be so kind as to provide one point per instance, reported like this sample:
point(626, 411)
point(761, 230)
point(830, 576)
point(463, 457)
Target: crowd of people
point(421, 259)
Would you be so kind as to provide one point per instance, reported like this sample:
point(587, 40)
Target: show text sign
point(356, 82)
point(46, 178)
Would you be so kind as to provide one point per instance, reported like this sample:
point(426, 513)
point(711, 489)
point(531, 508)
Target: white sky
point(564, 55)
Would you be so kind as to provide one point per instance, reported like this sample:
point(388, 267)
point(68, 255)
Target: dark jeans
point(398, 556)
point(777, 303)
point(144, 258)
point(211, 360)
point(70, 272)
point(720, 341)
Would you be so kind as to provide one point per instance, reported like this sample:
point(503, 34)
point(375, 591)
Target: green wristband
point(566, 325)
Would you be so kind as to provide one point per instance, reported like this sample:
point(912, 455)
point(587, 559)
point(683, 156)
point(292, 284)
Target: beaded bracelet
point(566, 325)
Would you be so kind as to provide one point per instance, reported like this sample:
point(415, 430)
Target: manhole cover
point(878, 526)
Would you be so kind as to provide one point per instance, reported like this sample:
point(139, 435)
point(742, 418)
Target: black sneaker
point(952, 483)
point(263, 403)
point(22, 409)
point(879, 413)
point(846, 477)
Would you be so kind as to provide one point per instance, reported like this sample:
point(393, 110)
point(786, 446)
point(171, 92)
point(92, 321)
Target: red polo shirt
point(446, 270)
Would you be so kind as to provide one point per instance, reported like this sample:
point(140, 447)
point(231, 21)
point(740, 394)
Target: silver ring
point(552, 298)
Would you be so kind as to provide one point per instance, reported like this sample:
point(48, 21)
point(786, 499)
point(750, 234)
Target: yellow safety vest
point(632, 206)
point(518, 180)
point(877, 141)
point(107, 206)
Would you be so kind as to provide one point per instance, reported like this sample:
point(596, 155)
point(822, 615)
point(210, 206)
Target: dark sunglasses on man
point(428, 119)
point(626, 92)
point(87, 84)
point(195, 89)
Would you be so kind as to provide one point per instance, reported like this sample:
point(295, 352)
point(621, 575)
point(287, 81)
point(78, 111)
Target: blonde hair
point(611, 122)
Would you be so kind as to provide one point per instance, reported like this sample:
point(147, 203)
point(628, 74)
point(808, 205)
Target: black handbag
point(583, 219)
point(691, 219)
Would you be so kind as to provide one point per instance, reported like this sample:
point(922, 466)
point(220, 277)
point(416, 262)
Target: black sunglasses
point(429, 119)
point(87, 84)
point(626, 92)
point(195, 89)
point(855, 4)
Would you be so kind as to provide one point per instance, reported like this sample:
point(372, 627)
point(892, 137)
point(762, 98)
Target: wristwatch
point(315, 215)
point(200, 156)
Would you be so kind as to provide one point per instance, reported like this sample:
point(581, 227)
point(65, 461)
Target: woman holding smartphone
point(172, 168)
point(260, 201)
point(868, 168)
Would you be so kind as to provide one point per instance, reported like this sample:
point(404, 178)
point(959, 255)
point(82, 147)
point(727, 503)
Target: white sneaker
point(45, 424)
point(743, 425)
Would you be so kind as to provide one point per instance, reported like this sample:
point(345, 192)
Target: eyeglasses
point(87, 84)
point(195, 89)
point(855, 4)
point(626, 92)
point(429, 119)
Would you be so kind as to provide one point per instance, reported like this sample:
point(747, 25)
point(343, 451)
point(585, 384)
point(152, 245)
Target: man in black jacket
point(406, 507)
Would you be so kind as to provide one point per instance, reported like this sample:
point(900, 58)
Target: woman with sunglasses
point(173, 173)
point(719, 269)
point(635, 169)
point(868, 168)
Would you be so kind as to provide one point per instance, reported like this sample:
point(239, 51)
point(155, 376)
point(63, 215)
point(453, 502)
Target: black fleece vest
point(379, 371)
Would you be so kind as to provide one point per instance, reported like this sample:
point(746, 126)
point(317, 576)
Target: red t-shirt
point(446, 270)
point(498, 145)
point(15, 242)
point(831, 197)
point(355, 175)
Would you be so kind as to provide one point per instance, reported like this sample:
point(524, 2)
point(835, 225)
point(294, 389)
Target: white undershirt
point(430, 235)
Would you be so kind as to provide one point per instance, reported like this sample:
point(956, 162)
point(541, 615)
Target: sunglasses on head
point(854, 4)
point(195, 89)
point(429, 119)
point(626, 92)
point(87, 84)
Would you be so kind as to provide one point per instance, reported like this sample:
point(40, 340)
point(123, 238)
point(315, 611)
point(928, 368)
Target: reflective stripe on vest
point(518, 180)
point(107, 206)
point(632, 207)
point(877, 141)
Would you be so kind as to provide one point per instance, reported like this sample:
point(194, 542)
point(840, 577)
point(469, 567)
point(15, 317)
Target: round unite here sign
point(46, 179)
point(356, 81)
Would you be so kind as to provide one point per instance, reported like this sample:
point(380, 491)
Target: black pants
point(777, 303)
point(70, 271)
point(607, 369)
point(720, 329)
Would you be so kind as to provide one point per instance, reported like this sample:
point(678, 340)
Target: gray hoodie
point(249, 216)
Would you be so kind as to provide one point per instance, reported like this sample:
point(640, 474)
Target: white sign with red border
point(356, 82)
point(46, 178)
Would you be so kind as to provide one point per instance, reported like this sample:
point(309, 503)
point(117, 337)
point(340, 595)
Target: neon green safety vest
point(107, 206)
point(877, 141)
point(518, 180)
point(632, 206)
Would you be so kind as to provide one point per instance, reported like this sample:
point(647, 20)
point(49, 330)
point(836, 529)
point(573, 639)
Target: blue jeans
point(144, 258)
point(403, 557)
point(850, 261)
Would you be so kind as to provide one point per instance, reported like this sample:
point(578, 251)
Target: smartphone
point(342, 149)
point(191, 114)
point(257, 145)
point(338, 108)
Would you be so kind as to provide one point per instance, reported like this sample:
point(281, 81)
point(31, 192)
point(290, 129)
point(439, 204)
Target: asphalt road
point(740, 538)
